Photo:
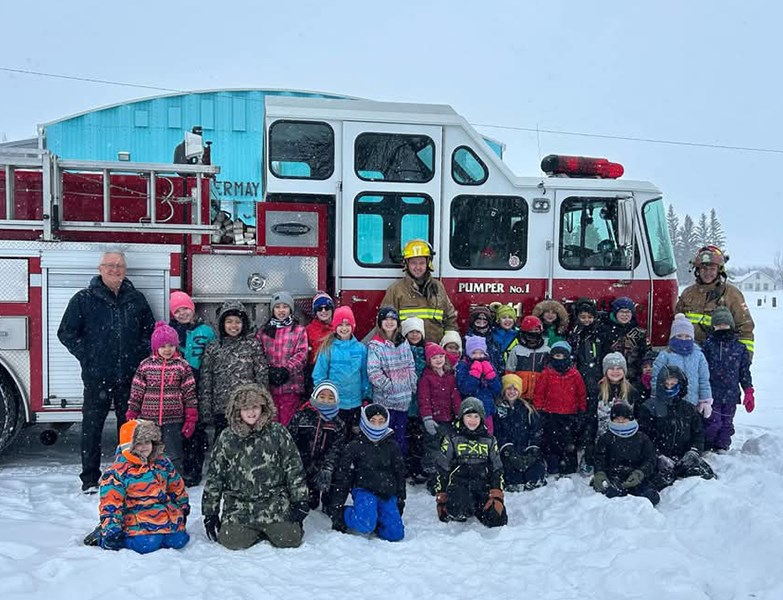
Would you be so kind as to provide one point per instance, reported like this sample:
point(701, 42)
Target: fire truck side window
point(467, 168)
point(301, 150)
point(658, 238)
point(384, 222)
point(588, 236)
point(488, 232)
point(394, 157)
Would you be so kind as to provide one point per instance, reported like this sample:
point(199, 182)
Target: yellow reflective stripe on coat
point(748, 344)
point(699, 319)
point(423, 313)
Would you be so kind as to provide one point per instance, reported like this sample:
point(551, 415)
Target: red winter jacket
point(438, 396)
point(316, 334)
point(562, 394)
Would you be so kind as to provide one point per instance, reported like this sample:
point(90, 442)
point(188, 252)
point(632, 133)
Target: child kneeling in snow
point(320, 435)
point(675, 428)
point(624, 458)
point(470, 472)
point(144, 504)
point(256, 471)
point(373, 470)
point(519, 431)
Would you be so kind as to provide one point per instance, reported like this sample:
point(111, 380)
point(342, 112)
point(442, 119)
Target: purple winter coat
point(729, 362)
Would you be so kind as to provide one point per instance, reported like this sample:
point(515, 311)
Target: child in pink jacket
point(164, 391)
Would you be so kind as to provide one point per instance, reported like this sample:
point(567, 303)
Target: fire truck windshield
point(661, 249)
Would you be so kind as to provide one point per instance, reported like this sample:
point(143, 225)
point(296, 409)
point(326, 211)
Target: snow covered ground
point(718, 539)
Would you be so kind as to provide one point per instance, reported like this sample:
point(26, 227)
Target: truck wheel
point(11, 411)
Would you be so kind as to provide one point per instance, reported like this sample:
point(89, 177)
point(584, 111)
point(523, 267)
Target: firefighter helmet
point(416, 248)
point(709, 255)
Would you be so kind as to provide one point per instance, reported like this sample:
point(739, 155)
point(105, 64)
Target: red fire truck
point(346, 184)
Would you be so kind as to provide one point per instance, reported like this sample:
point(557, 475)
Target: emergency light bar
point(581, 166)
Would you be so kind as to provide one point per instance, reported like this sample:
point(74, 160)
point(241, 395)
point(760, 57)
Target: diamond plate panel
point(227, 275)
point(13, 275)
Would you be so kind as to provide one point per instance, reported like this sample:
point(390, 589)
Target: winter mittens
point(441, 499)
point(430, 426)
point(749, 402)
point(488, 369)
point(323, 480)
point(495, 501)
point(212, 526)
point(705, 407)
point(634, 479)
point(600, 482)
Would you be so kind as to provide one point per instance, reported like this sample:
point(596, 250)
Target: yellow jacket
point(699, 300)
point(430, 302)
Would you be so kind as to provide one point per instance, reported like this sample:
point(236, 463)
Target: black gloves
point(323, 480)
point(278, 375)
point(299, 512)
point(212, 526)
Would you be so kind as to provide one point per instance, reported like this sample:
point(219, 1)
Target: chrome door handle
point(357, 299)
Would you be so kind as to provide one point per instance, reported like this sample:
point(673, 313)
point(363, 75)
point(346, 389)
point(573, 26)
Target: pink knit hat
point(178, 300)
point(163, 335)
point(343, 313)
point(432, 349)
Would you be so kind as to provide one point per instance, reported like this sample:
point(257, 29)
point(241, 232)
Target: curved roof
point(276, 91)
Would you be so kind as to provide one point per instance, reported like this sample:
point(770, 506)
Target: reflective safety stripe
point(699, 319)
point(435, 314)
point(748, 344)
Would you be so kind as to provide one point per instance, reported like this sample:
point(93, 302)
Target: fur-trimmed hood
point(558, 309)
point(138, 431)
point(246, 396)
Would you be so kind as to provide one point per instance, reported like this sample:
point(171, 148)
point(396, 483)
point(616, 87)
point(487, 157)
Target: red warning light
point(581, 166)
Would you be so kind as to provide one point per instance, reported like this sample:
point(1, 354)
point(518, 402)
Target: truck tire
point(11, 411)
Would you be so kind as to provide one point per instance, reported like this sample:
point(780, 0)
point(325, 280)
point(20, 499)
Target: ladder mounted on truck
point(51, 212)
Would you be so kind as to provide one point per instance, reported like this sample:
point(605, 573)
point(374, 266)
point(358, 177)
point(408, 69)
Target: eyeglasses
point(323, 308)
point(113, 266)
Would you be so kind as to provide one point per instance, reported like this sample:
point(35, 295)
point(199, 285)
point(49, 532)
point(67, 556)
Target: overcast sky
point(698, 71)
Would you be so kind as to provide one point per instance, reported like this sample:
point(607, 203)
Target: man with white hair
point(107, 327)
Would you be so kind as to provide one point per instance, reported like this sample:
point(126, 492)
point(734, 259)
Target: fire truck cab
point(347, 183)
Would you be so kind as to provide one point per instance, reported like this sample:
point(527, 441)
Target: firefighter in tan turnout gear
point(710, 291)
point(417, 294)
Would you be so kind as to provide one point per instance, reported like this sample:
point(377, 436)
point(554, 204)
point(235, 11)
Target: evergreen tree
point(703, 231)
point(717, 236)
point(687, 247)
point(673, 224)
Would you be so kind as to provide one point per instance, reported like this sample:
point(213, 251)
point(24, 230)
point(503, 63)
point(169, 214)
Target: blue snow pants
point(369, 513)
point(144, 544)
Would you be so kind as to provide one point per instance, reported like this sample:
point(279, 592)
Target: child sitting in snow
point(372, 469)
point(144, 504)
point(470, 471)
point(675, 428)
point(729, 363)
point(164, 391)
point(519, 431)
point(320, 434)
point(624, 458)
point(256, 473)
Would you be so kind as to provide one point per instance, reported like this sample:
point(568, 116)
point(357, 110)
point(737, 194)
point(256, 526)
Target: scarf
point(327, 411)
point(271, 327)
point(624, 430)
point(561, 365)
point(681, 347)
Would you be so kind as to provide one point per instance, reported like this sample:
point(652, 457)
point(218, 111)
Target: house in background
point(755, 281)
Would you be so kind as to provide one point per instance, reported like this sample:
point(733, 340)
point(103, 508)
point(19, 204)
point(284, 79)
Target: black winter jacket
point(673, 425)
point(516, 427)
point(109, 334)
point(320, 442)
point(587, 345)
point(469, 459)
point(618, 456)
point(377, 467)
point(630, 340)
